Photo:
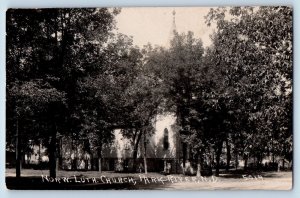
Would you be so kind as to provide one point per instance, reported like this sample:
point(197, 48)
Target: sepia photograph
point(149, 98)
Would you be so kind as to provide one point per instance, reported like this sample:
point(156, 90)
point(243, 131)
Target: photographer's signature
point(252, 177)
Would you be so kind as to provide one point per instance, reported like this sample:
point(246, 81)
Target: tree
point(145, 97)
point(177, 70)
point(104, 93)
point(57, 47)
point(255, 61)
point(33, 100)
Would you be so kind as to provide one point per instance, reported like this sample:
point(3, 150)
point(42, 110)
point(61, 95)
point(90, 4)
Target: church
point(162, 151)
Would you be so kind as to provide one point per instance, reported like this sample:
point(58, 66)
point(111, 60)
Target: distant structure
point(161, 149)
point(173, 30)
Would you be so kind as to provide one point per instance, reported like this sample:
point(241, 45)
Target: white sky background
point(153, 24)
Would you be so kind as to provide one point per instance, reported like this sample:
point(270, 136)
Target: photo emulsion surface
point(183, 98)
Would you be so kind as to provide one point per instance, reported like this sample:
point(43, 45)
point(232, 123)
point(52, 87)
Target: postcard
point(135, 98)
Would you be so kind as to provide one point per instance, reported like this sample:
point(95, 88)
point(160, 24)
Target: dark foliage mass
point(68, 74)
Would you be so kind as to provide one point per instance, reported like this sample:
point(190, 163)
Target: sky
point(153, 25)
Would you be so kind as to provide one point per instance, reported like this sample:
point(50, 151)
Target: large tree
point(252, 50)
point(48, 51)
point(104, 94)
point(178, 69)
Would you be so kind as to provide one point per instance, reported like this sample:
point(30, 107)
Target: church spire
point(173, 30)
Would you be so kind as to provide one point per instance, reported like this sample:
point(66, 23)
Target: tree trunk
point(52, 153)
point(76, 152)
point(145, 157)
point(57, 164)
point(199, 166)
point(236, 161)
point(211, 159)
point(58, 155)
point(100, 157)
point(60, 160)
point(183, 157)
point(86, 164)
point(134, 156)
point(258, 163)
point(73, 159)
point(218, 157)
point(245, 161)
point(40, 157)
point(18, 151)
point(135, 150)
point(99, 165)
point(217, 164)
point(228, 157)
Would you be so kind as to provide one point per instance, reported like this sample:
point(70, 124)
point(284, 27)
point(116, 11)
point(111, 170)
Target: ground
point(39, 179)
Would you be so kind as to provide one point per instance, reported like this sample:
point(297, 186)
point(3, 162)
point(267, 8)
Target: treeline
point(69, 74)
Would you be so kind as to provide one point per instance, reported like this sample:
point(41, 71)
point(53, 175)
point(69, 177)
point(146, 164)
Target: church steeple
point(173, 29)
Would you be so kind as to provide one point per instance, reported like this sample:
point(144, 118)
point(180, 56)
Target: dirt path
point(236, 184)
